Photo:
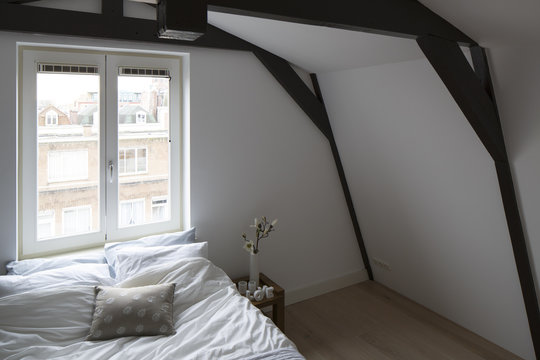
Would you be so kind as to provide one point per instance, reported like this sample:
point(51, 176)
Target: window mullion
point(111, 123)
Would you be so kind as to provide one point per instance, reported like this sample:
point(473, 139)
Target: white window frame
point(54, 118)
point(108, 209)
point(136, 150)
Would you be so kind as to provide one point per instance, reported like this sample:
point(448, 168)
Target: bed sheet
point(212, 320)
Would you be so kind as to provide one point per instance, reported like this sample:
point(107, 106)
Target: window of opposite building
point(106, 165)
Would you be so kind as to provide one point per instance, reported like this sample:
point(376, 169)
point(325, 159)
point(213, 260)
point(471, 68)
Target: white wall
point(516, 78)
point(427, 197)
point(253, 153)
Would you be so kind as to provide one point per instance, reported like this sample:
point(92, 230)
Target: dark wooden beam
point(112, 8)
point(521, 254)
point(453, 68)
point(402, 18)
point(14, 17)
point(344, 184)
point(17, 1)
point(473, 92)
point(511, 209)
point(296, 88)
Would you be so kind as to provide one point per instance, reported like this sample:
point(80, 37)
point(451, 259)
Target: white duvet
point(212, 321)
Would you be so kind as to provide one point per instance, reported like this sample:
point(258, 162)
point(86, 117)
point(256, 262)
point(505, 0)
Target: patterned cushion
point(138, 311)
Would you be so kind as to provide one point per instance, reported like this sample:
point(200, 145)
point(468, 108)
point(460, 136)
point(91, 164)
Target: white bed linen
point(133, 260)
point(77, 274)
point(212, 321)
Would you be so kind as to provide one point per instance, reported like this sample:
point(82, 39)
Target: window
point(132, 212)
point(46, 224)
point(132, 161)
point(140, 117)
point(95, 172)
point(68, 165)
point(159, 208)
point(77, 220)
point(51, 118)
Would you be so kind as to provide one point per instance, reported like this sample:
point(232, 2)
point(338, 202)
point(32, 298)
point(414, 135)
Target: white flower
point(249, 246)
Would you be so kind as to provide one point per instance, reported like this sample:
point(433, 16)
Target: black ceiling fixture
point(471, 88)
point(182, 20)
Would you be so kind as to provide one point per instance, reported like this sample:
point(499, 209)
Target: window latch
point(111, 171)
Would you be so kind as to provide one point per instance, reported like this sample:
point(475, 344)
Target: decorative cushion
point(138, 311)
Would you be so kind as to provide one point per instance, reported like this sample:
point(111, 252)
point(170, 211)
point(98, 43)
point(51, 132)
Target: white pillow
point(134, 260)
point(30, 266)
point(79, 274)
point(169, 239)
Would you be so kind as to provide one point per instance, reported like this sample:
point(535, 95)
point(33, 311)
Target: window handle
point(111, 171)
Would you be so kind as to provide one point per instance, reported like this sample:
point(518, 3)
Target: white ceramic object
point(258, 295)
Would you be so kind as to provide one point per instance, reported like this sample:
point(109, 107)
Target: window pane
point(141, 160)
point(122, 161)
point(69, 221)
point(68, 153)
point(143, 136)
point(159, 208)
point(132, 212)
point(77, 220)
point(68, 165)
point(130, 161)
point(46, 223)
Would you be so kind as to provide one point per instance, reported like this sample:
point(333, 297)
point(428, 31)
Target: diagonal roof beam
point(473, 92)
point(314, 107)
point(453, 68)
point(401, 18)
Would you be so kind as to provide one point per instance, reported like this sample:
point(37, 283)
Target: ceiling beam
point(401, 18)
point(14, 17)
point(112, 8)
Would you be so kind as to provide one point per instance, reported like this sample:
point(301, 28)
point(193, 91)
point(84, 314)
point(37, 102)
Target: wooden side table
point(277, 302)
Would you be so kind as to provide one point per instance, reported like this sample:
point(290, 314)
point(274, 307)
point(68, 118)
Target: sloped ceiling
point(492, 23)
point(315, 48)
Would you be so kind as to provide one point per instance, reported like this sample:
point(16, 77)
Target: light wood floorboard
point(369, 321)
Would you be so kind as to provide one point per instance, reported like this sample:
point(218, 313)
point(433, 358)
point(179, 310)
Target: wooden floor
point(370, 321)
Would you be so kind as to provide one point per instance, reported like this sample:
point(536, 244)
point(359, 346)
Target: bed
point(47, 311)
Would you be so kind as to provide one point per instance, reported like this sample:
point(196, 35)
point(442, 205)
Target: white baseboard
point(327, 285)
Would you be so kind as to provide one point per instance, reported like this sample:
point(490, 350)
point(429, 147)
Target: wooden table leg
point(278, 314)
